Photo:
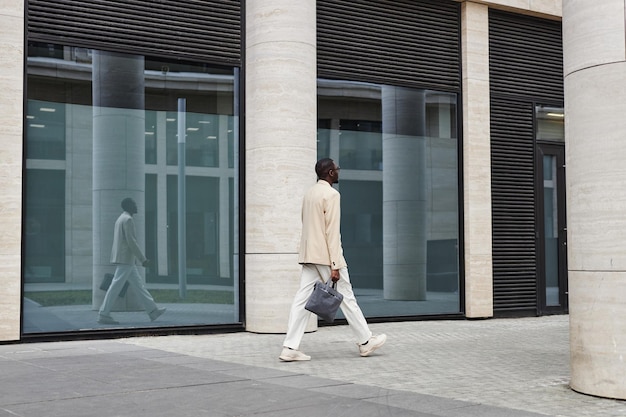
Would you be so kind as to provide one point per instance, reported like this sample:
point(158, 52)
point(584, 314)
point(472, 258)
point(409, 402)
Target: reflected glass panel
point(550, 123)
point(45, 127)
point(44, 237)
point(360, 146)
point(551, 233)
point(397, 148)
point(102, 127)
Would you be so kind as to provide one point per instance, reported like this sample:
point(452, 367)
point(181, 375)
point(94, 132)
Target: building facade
point(446, 117)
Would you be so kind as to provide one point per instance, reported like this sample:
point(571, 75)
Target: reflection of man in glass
point(124, 254)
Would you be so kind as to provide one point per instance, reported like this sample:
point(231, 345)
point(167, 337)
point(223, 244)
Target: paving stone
point(457, 368)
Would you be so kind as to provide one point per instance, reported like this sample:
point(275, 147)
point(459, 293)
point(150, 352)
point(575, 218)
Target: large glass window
point(101, 127)
point(397, 148)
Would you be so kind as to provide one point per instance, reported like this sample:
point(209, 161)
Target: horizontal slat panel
point(525, 61)
point(525, 56)
point(206, 30)
point(513, 206)
point(408, 42)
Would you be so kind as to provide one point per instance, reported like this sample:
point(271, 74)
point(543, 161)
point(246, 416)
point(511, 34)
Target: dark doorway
point(552, 229)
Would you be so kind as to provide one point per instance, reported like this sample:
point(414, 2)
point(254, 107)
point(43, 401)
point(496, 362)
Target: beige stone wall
point(476, 157)
point(595, 104)
point(11, 117)
point(281, 151)
point(550, 9)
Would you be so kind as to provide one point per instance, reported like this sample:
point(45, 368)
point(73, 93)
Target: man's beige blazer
point(125, 247)
point(321, 217)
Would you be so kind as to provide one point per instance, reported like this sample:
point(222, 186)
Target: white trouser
point(299, 317)
point(127, 273)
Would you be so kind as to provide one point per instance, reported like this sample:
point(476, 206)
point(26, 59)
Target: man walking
point(124, 254)
point(321, 256)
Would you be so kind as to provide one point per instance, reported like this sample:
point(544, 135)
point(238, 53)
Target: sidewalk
point(489, 368)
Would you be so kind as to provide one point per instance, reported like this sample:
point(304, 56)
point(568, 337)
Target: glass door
point(552, 230)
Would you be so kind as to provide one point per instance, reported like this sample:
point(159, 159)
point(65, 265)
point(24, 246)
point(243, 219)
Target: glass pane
point(550, 123)
point(45, 128)
point(397, 148)
point(44, 239)
point(550, 221)
point(103, 127)
point(360, 146)
point(202, 147)
point(323, 137)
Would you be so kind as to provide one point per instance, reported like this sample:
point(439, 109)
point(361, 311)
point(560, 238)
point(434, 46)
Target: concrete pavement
point(498, 367)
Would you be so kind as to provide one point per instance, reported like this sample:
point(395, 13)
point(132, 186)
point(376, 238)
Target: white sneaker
point(155, 314)
point(290, 355)
point(371, 345)
point(102, 319)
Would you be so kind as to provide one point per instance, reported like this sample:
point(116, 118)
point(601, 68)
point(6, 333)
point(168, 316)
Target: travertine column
point(281, 124)
point(11, 119)
point(476, 158)
point(404, 193)
point(594, 50)
point(118, 158)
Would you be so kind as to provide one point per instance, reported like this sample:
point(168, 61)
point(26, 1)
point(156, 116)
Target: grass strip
point(82, 297)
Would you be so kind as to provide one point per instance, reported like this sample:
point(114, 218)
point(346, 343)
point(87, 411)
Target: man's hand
point(334, 275)
point(145, 263)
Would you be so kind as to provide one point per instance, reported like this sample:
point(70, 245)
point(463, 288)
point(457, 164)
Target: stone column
point(476, 161)
point(11, 119)
point(404, 193)
point(280, 152)
point(118, 158)
point(594, 51)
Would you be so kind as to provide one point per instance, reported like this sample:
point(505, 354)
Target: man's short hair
point(323, 166)
point(127, 203)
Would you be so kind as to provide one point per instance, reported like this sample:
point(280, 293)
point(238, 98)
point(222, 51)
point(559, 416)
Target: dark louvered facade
point(526, 69)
